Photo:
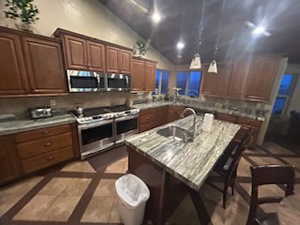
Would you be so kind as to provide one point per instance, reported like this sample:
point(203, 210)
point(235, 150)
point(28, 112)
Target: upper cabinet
point(262, 74)
point(45, 76)
point(75, 53)
point(124, 61)
point(112, 59)
point(86, 53)
point(12, 69)
point(215, 84)
point(30, 64)
point(143, 75)
point(150, 68)
point(96, 56)
point(249, 79)
point(239, 74)
point(137, 75)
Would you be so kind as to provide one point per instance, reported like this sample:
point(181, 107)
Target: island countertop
point(190, 162)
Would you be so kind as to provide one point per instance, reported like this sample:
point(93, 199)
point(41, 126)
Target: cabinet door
point(124, 61)
point(76, 53)
point(150, 76)
point(12, 69)
point(216, 85)
point(262, 74)
point(45, 66)
point(9, 168)
point(112, 60)
point(96, 56)
point(240, 71)
point(137, 75)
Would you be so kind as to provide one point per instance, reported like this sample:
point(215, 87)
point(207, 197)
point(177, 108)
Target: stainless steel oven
point(85, 81)
point(118, 82)
point(126, 126)
point(96, 136)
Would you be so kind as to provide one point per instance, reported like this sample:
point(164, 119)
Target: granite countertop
point(190, 162)
point(152, 105)
point(15, 126)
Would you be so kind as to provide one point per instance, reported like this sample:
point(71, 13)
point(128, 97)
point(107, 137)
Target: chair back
point(269, 174)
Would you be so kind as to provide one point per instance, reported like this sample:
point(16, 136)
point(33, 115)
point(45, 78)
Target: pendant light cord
point(219, 29)
point(201, 23)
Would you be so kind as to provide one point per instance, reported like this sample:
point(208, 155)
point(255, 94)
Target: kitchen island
point(173, 168)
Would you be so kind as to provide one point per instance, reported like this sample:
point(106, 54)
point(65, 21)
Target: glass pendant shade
point(196, 63)
point(213, 67)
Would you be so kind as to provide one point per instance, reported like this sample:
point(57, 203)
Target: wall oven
point(118, 82)
point(85, 81)
point(126, 126)
point(96, 136)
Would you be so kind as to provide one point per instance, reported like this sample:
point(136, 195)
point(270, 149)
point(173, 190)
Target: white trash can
point(133, 195)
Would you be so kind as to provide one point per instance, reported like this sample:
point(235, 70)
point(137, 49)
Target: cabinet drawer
point(47, 159)
point(41, 133)
point(52, 143)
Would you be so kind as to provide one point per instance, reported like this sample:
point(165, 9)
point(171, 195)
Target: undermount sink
point(176, 133)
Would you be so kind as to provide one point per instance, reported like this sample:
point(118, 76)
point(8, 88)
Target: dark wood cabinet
point(9, 163)
point(237, 81)
point(45, 65)
point(150, 69)
point(112, 59)
point(124, 61)
point(75, 53)
point(12, 69)
point(154, 117)
point(96, 56)
point(137, 75)
point(215, 85)
point(262, 74)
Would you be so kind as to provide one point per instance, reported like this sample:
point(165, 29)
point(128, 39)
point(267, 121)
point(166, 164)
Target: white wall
point(87, 17)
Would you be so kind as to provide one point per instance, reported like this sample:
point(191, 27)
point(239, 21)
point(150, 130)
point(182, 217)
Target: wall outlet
point(52, 103)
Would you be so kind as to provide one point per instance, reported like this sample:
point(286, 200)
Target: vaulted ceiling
point(181, 20)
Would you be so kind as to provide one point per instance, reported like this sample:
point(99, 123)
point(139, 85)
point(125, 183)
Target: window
point(189, 83)
point(286, 85)
point(162, 80)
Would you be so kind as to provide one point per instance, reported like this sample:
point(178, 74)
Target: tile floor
point(82, 192)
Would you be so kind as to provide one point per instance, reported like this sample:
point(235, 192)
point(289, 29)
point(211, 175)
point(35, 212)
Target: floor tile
point(78, 166)
point(106, 188)
point(11, 194)
point(274, 148)
point(120, 166)
point(99, 210)
point(48, 208)
point(66, 186)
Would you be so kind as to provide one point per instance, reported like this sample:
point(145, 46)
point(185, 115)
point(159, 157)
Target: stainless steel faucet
point(194, 123)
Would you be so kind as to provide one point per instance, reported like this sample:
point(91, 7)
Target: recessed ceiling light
point(156, 17)
point(180, 45)
point(259, 30)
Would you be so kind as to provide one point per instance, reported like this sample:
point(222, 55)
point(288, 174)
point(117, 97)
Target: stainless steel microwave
point(85, 81)
point(118, 82)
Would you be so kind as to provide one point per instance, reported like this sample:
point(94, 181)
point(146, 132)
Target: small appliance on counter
point(40, 112)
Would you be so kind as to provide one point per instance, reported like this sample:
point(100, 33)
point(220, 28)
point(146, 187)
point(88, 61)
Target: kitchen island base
point(166, 191)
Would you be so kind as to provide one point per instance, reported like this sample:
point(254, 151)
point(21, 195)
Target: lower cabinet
point(247, 125)
point(154, 117)
point(9, 166)
point(30, 151)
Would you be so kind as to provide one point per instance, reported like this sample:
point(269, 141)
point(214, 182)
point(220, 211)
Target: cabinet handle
point(45, 132)
point(48, 144)
point(50, 158)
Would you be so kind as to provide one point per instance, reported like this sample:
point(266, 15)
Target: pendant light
point(213, 65)
point(196, 61)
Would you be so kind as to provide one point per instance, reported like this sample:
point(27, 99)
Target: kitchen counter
point(189, 162)
point(15, 126)
point(209, 109)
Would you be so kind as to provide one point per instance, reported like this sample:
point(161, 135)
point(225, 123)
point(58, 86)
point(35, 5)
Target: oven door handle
point(127, 118)
point(91, 125)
